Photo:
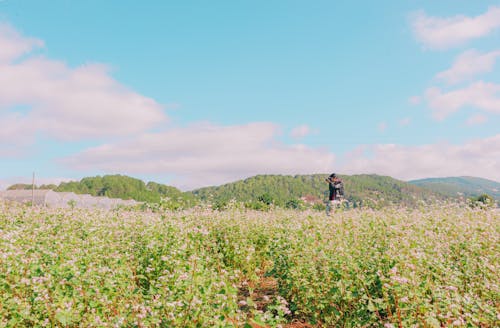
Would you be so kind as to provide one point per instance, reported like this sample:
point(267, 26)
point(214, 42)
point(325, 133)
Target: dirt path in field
point(262, 294)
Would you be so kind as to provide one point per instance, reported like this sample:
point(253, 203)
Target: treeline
point(124, 187)
point(360, 190)
point(25, 186)
point(119, 186)
point(258, 192)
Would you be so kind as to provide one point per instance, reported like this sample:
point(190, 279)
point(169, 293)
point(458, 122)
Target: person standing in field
point(336, 191)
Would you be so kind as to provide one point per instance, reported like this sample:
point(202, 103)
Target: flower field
point(431, 267)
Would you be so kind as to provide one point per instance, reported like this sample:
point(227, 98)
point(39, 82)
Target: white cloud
point(476, 119)
point(13, 135)
point(443, 33)
point(205, 154)
point(63, 102)
point(404, 121)
point(480, 157)
point(300, 131)
point(13, 45)
point(480, 95)
point(382, 126)
point(415, 100)
point(469, 64)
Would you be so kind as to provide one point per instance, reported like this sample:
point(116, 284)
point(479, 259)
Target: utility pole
point(33, 190)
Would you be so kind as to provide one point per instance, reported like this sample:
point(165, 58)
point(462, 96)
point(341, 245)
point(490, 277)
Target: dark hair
point(333, 175)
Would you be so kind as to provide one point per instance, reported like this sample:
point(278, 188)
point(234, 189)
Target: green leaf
point(433, 322)
point(64, 317)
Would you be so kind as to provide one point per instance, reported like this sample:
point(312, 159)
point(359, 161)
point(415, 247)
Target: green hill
point(366, 190)
point(361, 190)
point(124, 187)
point(466, 186)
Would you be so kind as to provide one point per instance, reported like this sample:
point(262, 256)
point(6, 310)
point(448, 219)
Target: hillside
point(367, 190)
point(360, 190)
point(124, 187)
point(466, 186)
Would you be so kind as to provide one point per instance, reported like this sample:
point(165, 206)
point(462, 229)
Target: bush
point(266, 198)
point(293, 204)
point(258, 206)
point(483, 201)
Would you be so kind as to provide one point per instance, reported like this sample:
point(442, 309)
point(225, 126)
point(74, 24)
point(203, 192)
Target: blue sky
point(196, 93)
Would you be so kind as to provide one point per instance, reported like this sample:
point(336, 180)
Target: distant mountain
point(361, 190)
point(455, 186)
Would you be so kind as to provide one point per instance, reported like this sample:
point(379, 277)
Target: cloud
point(443, 33)
point(13, 135)
point(479, 157)
point(205, 154)
point(469, 64)
point(300, 131)
point(382, 126)
point(476, 119)
point(480, 95)
point(63, 102)
point(415, 100)
point(404, 121)
point(13, 45)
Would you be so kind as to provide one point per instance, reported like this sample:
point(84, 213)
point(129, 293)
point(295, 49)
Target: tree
point(20, 186)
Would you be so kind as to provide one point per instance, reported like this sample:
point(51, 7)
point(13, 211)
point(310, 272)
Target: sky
point(199, 93)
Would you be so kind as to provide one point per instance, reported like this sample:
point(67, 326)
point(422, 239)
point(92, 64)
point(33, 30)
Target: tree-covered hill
point(360, 190)
point(124, 187)
point(368, 190)
point(466, 186)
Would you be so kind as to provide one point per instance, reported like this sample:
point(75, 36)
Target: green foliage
point(20, 186)
point(220, 204)
point(124, 187)
point(257, 205)
point(294, 204)
point(259, 192)
point(361, 190)
point(466, 186)
point(113, 186)
point(72, 204)
point(483, 201)
point(319, 207)
point(266, 198)
point(436, 267)
point(25, 186)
